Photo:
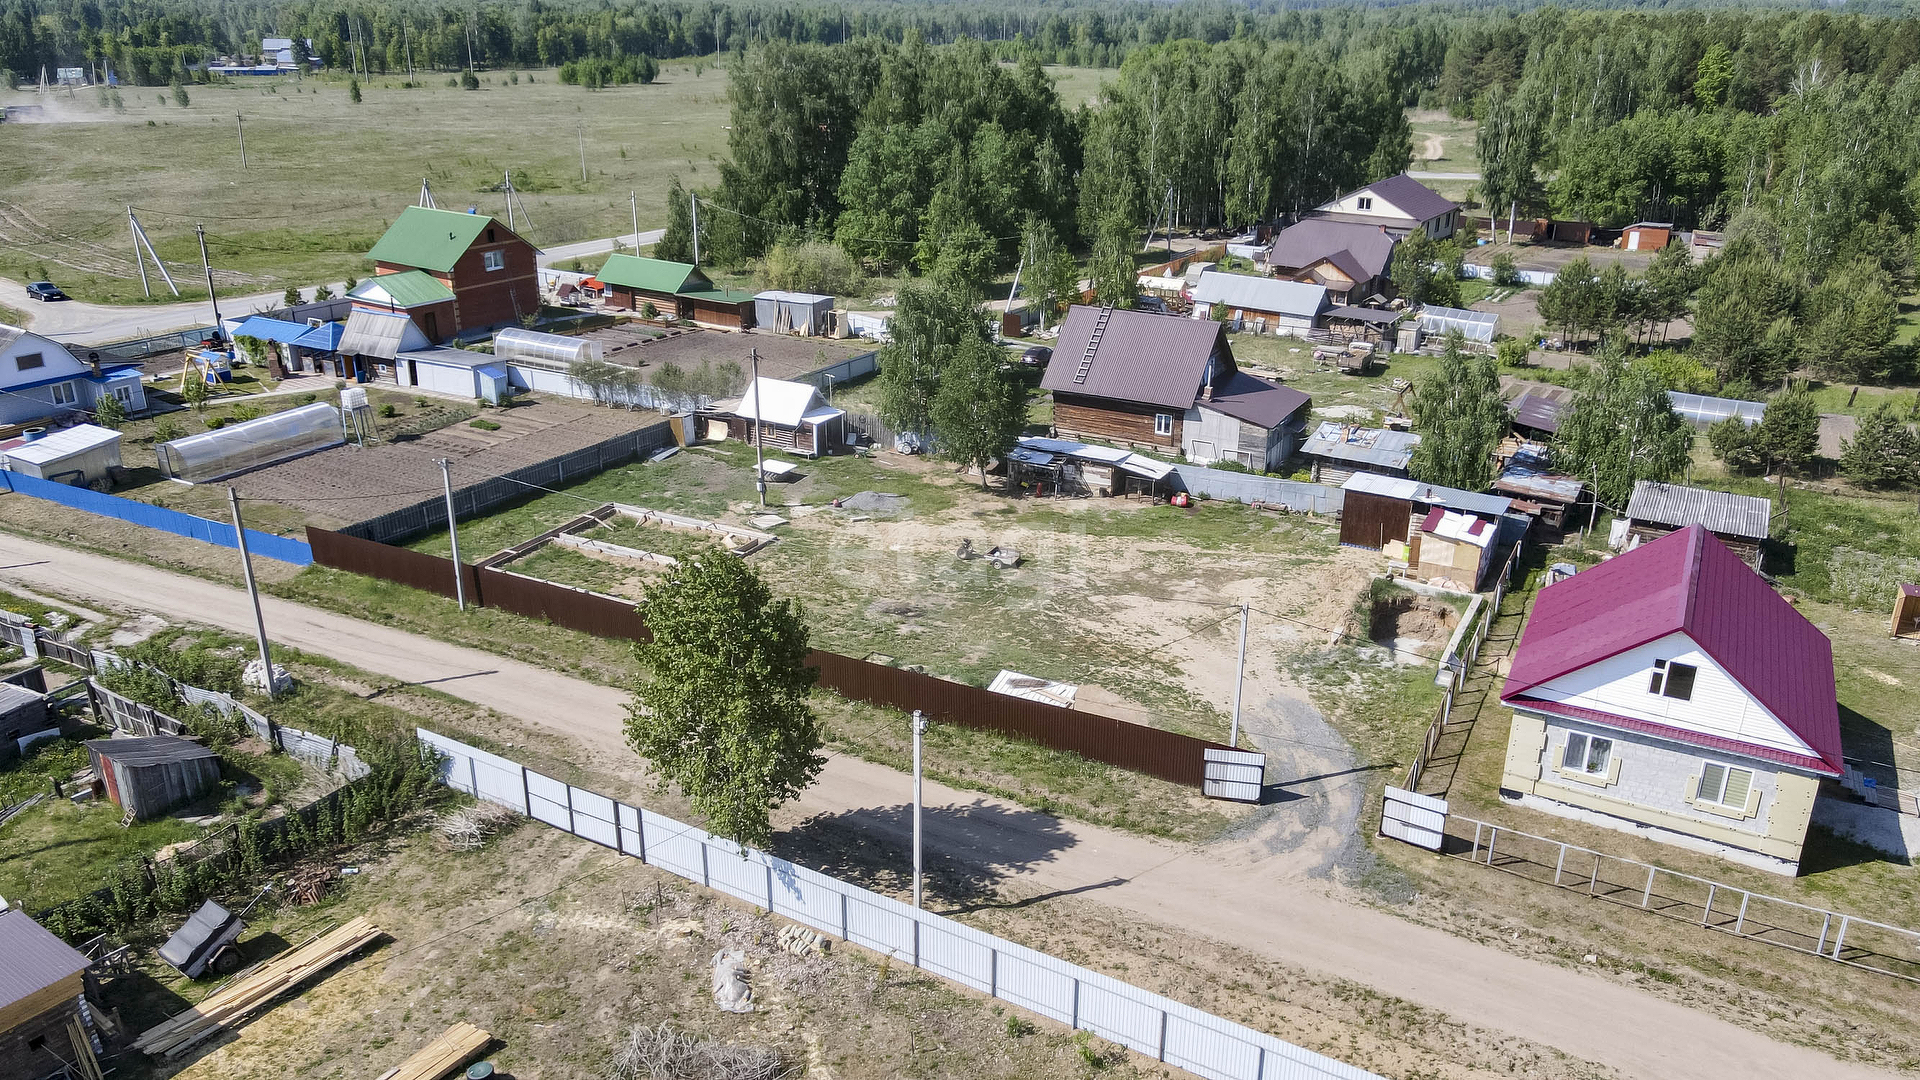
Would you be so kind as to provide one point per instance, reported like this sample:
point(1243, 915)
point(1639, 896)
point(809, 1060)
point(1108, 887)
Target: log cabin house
point(1168, 385)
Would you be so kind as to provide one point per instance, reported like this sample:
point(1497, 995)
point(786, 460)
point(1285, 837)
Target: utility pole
point(581, 131)
point(139, 240)
point(240, 125)
point(509, 186)
point(201, 232)
point(919, 729)
point(1239, 680)
point(453, 534)
point(634, 197)
point(145, 285)
point(407, 41)
point(253, 591)
point(694, 201)
point(759, 435)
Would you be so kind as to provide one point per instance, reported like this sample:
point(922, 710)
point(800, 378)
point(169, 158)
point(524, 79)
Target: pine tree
point(1789, 432)
point(1884, 451)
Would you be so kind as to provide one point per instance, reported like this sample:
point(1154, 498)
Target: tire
point(228, 961)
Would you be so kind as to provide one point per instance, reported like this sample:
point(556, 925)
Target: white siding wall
point(444, 378)
point(1719, 705)
point(1208, 436)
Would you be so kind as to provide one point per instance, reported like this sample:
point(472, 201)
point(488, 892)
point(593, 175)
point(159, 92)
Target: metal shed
point(793, 312)
point(22, 713)
point(149, 776)
point(79, 455)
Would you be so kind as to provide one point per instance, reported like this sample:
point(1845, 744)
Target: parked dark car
point(1037, 356)
point(44, 291)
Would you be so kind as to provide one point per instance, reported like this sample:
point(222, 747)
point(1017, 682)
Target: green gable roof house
point(674, 288)
point(452, 273)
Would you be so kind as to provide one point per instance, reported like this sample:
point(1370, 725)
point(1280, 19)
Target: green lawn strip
point(58, 851)
point(1817, 524)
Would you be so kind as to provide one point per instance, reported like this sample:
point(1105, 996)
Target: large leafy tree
point(1461, 419)
point(928, 328)
point(720, 708)
point(978, 410)
point(1621, 428)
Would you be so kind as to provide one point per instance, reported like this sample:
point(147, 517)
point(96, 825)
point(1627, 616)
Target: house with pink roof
point(1671, 693)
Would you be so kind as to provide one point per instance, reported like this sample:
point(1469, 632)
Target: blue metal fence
point(146, 515)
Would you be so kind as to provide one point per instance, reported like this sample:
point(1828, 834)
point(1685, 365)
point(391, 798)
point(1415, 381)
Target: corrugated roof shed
point(653, 275)
point(1396, 487)
point(429, 239)
point(1363, 446)
point(34, 958)
point(1261, 294)
point(151, 750)
point(1678, 506)
point(1689, 582)
point(1256, 401)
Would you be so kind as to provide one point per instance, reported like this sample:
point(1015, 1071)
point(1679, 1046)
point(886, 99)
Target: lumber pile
point(455, 1047)
point(234, 1001)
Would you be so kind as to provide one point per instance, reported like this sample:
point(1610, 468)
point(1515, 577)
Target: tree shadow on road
point(968, 850)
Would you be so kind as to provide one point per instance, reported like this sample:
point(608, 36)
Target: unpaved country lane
point(1223, 892)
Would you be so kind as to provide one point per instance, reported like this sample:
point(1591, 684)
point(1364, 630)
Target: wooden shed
point(44, 1029)
point(149, 776)
point(1906, 612)
point(22, 713)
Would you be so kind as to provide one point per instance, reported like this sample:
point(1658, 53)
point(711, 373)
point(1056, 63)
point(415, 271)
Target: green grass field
point(324, 176)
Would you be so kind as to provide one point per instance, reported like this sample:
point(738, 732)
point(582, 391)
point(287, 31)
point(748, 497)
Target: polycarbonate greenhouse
point(1702, 411)
point(211, 455)
point(514, 344)
point(1476, 326)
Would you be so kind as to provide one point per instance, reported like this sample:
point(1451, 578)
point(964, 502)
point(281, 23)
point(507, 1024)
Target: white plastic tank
point(353, 397)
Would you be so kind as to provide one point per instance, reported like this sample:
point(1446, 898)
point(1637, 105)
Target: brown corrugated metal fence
point(1165, 754)
point(1369, 521)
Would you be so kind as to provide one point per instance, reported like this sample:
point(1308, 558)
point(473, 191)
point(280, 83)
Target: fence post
point(1558, 863)
point(845, 926)
point(1740, 924)
point(526, 793)
point(1595, 879)
point(1706, 914)
point(1163, 1035)
point(1646, 894)
point(1840, 938)
point(704, 879)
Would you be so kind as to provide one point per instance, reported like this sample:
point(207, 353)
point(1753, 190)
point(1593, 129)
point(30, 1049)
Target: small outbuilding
point(1646, 236)
point(46, 1027)
point(149, 776)
point(22, 713)
point(1741, 522)
point(1906, 611)
point(790, 416)
point(1442, 534)
point(1260, 305)
point(806, 314)
point(1336, 451)
point(81, 455)
point(459, 372)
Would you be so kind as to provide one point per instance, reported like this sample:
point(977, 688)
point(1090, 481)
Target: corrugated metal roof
point(786, 403)
point(1260, 294)
point(1256, 401)
point(1688, 582)
point(1362, 252)
point(430, 239)
point(280, 330)
point(374, 333)
point(1395, 487)
point(409, 288)
point(1367, 446)
point(151, 750)
point(653, 275)
point(1410, 196)
point(1534, 484)
point(1140, 357)
point(57, 445)
point(1388, 487)
point(13, 696)
point(325, 337)
point(35, 959)
point(1678, 506)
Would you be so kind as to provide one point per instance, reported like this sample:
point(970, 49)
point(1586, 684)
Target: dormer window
point(1672, 680)
point(1366, 202)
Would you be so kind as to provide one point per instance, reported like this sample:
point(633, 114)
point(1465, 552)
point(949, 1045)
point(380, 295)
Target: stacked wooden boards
point(455, 1047)
point(256, 988)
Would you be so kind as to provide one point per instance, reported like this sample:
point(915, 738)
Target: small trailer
point(206, 941)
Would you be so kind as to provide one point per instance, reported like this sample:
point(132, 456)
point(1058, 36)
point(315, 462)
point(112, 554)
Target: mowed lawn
point(324, 176)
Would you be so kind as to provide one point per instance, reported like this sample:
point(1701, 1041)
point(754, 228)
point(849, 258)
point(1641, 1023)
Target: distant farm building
point(149, 776)
point(1646, 236)
point(675, 289)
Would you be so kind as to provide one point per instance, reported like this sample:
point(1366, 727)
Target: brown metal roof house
point(1350, 258)
point(1399, 203)
point(148, 777)
point(1168, 385)
point(44, 1031)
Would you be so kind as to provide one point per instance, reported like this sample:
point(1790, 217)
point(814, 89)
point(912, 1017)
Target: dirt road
point(1224, 890)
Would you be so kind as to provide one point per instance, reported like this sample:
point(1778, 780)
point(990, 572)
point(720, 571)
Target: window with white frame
point(1163, 423)
point(1672, 680)
point(1366, 202)
point(1589, 754)
point(1724, 785)
point(62, 393)
point(496, 260)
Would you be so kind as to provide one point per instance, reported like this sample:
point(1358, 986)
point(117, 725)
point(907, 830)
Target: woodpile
point(455, 1047)
point(308, 884)
point(253, 990)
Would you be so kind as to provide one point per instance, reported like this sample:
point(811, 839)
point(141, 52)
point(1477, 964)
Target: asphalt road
point(74, 322)
point(1223, 890)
